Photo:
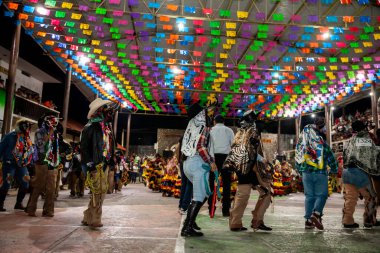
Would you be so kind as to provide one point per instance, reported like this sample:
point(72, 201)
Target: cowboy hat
point(23, 123)
point(193, 110)
point(95, 105)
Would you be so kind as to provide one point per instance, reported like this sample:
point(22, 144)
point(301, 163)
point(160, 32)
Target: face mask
point(51, 121)
point(108, 114)
point(210, 112)
point(25, 127)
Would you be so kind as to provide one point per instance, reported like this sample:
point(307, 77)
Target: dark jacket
point(65, 150)
point(7, 146)
point(91, 143)
point(77, 165)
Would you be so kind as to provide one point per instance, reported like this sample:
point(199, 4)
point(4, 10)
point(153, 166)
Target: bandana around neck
point(107, 140)
point(97, 117)
point(52, 155)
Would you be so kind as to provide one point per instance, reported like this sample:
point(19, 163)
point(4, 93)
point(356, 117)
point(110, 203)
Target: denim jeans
point(186, 190)
point(10, 172)
point(196, 174)
point(316, 192)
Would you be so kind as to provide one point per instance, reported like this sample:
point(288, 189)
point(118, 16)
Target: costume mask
point(210, 110)
point(24, 127)
point(249, 118)
point(108, 113)
point(51, 122)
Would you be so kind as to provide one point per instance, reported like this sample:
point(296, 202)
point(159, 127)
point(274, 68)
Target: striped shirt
point(202, 146)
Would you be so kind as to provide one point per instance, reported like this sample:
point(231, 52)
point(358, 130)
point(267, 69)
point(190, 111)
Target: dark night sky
point(143, 127)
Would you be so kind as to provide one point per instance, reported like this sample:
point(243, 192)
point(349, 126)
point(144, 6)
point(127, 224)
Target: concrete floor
point(137, 220)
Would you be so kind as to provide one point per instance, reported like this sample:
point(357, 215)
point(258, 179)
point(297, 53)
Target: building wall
point(166, 138)
point(287, 143)
point(21, 79)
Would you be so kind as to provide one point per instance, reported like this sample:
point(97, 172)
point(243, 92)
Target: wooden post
point(128, 133)
point(375, 114)
point(122, 137)
point(328, 124)
point(10, 84)
point(115, 120)
point(66, 100)
point(298, 127)
point(279, 137)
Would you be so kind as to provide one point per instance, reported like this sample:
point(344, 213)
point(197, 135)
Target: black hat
point(193, 110)
point(250, 116)
point(219, 119)
point(319, 122)
point(358, 126)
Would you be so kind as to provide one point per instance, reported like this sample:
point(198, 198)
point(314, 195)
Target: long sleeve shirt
point(6, 147)
point(222, 138)
point(202, 146)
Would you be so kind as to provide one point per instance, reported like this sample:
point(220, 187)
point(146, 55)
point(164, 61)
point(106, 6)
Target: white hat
point(95, 105)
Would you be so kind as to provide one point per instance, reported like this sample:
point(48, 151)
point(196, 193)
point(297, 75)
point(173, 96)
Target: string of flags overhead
point(162, 56)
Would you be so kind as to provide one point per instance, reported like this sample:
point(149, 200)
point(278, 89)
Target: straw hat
point(24, 122)
point(95, 105)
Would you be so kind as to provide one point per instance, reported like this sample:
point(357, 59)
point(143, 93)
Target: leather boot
point(3, 194)
point(20, 197)
point(188, 226)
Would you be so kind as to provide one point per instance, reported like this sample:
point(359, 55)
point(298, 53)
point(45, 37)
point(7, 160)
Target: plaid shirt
point(328, 160)
point(202, 146)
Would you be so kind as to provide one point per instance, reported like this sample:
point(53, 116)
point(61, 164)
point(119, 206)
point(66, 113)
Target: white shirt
point(222, 139)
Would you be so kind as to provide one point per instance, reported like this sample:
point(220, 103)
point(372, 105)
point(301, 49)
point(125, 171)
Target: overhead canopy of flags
point(282, 57)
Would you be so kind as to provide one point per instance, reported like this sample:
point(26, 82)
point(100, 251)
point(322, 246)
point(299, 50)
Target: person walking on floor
point(97, 145)
point(313, 156)
point(66, 156)
point(246, 159)
point(222, 138)
point(77, 175)
point(46, 140)
point(16, 152)
point(195, 146)
point(359, 163)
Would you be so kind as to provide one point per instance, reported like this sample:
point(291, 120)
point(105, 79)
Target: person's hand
point(213, 167)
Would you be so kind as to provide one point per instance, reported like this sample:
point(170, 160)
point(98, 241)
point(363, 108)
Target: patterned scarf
point(242, 150)
point(362, 153)
point(309, 148)
point(23, 151)
point(107, 140)
point(98, 116)
point(52, 155)
point(192, 134)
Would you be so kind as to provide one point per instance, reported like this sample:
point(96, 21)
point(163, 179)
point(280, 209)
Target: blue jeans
point(316, 192)
point(196, 174)
point(9, 174)
point(186, 190)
